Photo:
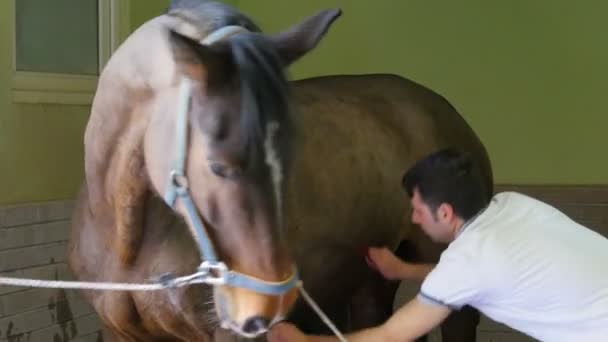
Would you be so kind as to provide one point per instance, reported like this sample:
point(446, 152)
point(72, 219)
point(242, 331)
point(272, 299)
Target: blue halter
point(214, 271)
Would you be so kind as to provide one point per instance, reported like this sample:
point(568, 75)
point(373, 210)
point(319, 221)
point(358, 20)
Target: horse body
point(357, 134)
point(354, 137)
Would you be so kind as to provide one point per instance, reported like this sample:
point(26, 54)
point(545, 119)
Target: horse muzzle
point(249, 312)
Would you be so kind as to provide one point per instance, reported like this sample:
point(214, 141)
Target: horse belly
point(343, 196)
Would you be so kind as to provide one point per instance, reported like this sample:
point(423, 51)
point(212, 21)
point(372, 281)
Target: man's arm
point(417, 272)
point(413, 320)
point(392, 267)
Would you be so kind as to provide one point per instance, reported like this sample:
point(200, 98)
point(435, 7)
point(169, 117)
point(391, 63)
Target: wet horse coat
point(352, 139)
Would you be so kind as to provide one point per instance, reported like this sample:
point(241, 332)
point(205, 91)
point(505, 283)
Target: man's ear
point(445, 213)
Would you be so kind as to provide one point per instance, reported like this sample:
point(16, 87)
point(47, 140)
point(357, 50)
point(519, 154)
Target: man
point(517, 260)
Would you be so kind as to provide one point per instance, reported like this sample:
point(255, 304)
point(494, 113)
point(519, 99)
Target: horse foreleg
point(461, 325)
point(123, 322)
point(129, 194)
point(107, 335)
point(307, 320)
point(372, 304)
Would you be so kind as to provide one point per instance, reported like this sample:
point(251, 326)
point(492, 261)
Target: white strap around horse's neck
point(223, 33)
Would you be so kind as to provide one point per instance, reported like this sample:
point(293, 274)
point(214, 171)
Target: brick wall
point(33, 245)
point(587, 205)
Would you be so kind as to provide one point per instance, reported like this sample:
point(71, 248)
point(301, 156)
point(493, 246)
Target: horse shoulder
point(114, 162)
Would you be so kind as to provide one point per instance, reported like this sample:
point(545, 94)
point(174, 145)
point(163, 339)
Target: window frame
point(63, 88)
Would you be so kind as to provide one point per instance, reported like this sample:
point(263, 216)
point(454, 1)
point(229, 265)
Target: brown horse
point(198, 148)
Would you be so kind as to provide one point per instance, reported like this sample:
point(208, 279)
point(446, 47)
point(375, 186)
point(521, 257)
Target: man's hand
point(286, 332)
point(387, 263)
point(391, 267)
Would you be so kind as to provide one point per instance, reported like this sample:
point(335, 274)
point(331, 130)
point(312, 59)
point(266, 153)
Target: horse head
point(217, 147)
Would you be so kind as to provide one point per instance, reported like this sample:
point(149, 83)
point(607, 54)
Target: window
point(60, 47)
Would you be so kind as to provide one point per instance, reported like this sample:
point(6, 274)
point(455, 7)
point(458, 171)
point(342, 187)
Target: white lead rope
point(86, 285)
point(60, 284)
point(320, 313)
point(171, 283)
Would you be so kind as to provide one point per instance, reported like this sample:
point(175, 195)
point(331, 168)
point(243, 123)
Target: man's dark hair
point(448, 176)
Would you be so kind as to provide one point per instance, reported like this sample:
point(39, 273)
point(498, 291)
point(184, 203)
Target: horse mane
point(209, 16)
point(264, 86)
point(264, 89)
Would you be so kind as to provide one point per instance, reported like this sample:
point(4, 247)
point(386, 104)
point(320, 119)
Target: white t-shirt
point(525, 264)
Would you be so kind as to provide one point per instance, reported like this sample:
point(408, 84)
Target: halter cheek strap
point(212, 270)
point(223, 33)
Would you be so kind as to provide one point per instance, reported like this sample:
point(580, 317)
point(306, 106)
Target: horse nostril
point(256, 325)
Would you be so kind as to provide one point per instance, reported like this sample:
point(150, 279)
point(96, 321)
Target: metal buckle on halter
point(213, 272)
point(178, 180)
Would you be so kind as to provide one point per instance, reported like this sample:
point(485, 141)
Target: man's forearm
point(411, 321)
point(414, 319)
point(371, 335)
point(416, 272)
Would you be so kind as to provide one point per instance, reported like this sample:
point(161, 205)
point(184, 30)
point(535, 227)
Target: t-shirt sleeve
point(454, 282)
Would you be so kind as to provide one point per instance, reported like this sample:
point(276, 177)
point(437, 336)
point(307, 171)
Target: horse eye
point(223, 171)
point(218, 169)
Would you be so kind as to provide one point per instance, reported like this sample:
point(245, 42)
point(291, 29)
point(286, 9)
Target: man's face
point(437, 229)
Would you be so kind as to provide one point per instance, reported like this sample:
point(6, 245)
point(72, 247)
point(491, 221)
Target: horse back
point(358, 134)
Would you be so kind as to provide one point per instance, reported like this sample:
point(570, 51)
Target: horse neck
point(115, 172)
point(141, 66)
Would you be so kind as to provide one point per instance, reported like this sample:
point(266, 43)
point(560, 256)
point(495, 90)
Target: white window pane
point(57, 36)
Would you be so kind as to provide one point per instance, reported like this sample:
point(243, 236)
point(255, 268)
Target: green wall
point(529, 76)
point(144, 10)
point(40, 145)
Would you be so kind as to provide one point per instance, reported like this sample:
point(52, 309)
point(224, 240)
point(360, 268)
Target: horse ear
point(303, 37)
point(194, 60)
